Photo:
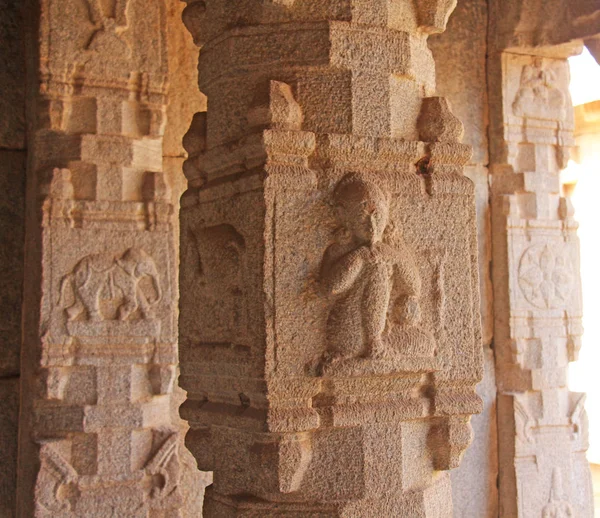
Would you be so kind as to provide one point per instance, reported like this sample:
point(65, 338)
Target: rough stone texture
point(9, 418)
point(12, 76)
point(12, 215)
point(12, 231)
point(460, 59)
point(542, 426)
point(329, 311)
point(548, 27)
point(474, 482)
point(184, 98)
point(460, 62)
point(100, 433)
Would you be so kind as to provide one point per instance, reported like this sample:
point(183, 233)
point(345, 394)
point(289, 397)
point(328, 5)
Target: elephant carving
point(116, 279)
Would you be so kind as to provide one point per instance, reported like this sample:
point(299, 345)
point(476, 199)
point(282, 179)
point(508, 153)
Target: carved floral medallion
point(545, 276)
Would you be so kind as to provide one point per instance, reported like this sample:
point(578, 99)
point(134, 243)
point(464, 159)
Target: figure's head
point(362, 207)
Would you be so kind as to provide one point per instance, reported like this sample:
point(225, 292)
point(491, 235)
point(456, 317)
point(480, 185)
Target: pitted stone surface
point(100, 431)
point(542, 425)
point(327, 220)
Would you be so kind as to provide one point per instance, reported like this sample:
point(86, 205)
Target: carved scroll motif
point(524, 421)
point(164, 468)
point(374, 281)
point(56, 483)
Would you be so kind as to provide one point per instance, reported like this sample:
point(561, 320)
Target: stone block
point(474, 482)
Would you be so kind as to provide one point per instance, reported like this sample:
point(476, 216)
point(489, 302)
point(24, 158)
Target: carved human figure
point(358, 270)
point(538, 95)
point(103, 273)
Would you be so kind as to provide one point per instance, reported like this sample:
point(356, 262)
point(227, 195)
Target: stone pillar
point(542, 425)
point(329, 311)
point(100, 433)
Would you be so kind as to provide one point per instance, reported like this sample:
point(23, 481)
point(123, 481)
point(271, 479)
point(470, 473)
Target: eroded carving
point(557, 506)
point(220, 257)
point(164, 468)
point(524, 421)
point(116, 280)
point(109, 18)
point(55, 488)
point(578, 416)
point(374, 279)
point(275, 108)
point(545, 276)
point(539, 96)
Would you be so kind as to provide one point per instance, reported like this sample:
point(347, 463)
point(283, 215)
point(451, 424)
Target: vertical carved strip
point(543, 429)
point(100, 433)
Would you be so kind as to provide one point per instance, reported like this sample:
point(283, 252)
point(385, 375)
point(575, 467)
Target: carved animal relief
point(373, 281)
point(104, 287)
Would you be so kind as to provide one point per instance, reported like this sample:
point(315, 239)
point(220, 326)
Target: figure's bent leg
point(376, 299)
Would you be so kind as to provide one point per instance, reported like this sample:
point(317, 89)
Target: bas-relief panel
point(342, 304)
point(550, 443)
point(217, 260)
point(61, 491)
point(121, 292)
point(369, 290)
point(544, 295)
point(541, 91)
point(538, 121)
point(366, 296)
point(107, 349)
point(220, 257)
point(545, 272)
point(101, 34)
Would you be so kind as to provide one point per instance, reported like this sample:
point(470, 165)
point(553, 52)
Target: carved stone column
point(329, 313)
point(542, 426)
point(99, 433)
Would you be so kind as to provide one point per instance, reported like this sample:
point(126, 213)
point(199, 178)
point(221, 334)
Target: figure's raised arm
point(339, 273)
